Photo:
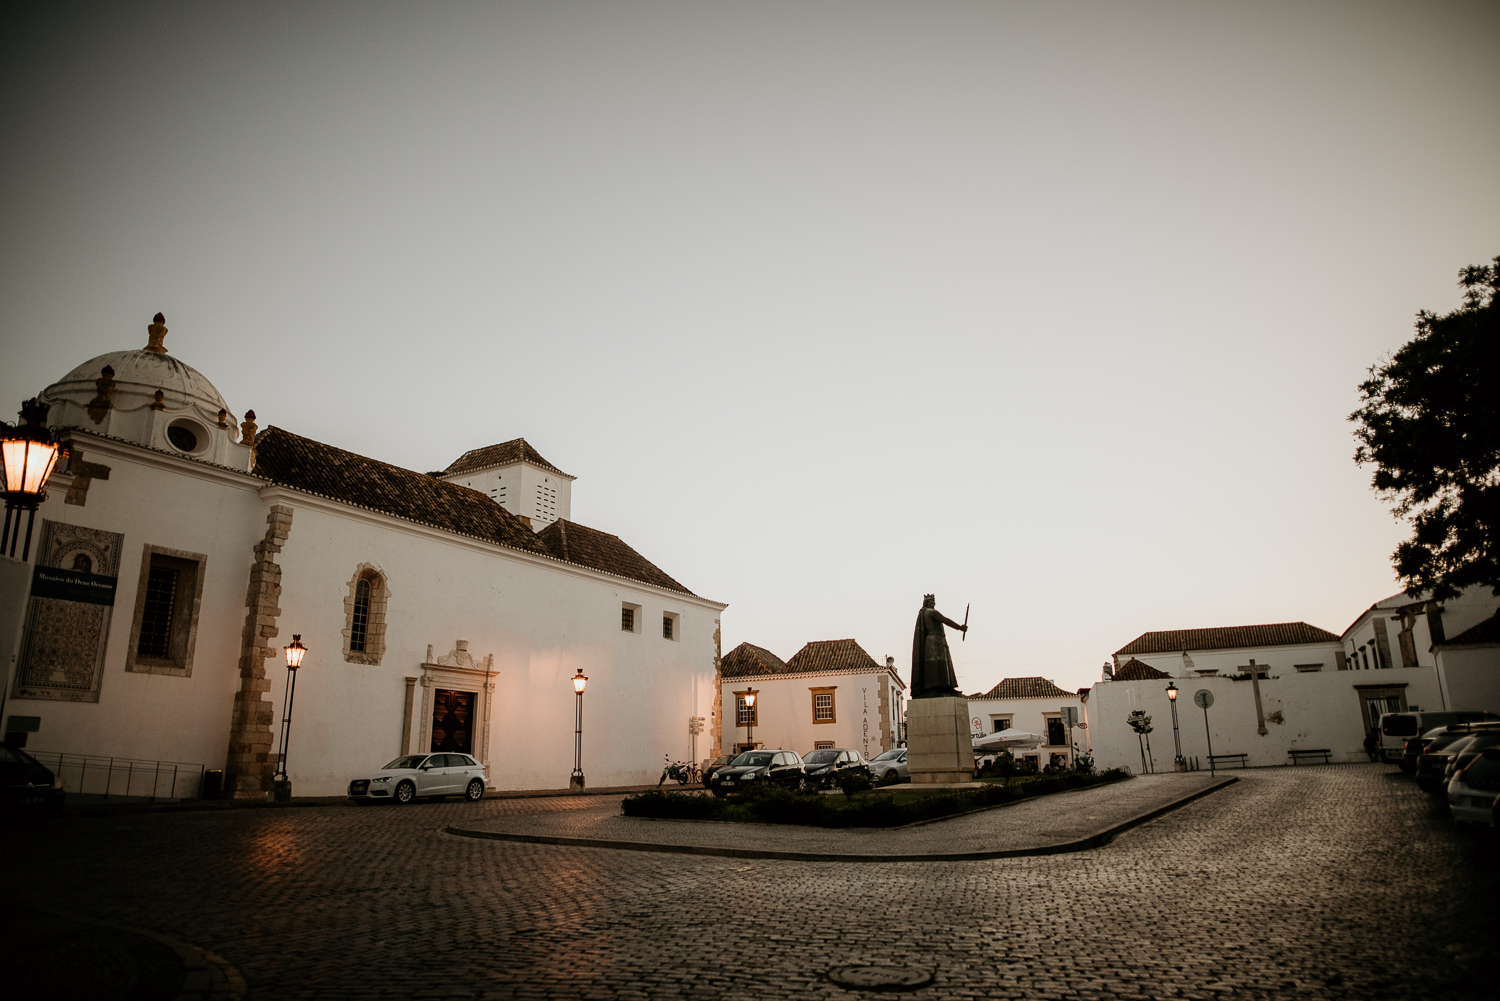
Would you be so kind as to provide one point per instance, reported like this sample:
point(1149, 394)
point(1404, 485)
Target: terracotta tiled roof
point(575, 543)
point(748, 660)
point(1227, 637)
point(832, 655)
point(1134, 670)
point(304, 464)
point(503, 454)
point(1026, 688)
point(1484, 633)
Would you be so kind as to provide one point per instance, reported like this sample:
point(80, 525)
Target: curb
point(1095, 840)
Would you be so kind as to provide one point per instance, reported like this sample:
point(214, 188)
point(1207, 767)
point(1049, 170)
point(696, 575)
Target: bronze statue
point(931, 664)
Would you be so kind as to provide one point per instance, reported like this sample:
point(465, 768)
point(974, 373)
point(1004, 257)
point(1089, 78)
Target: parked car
point(715, 765)
point(890, 766)
point(751, 767)
point(826, 765)
point(1434, 757)
point(28, 789)
point(1474, 791)
point(1462, 753)
point(1397, 728)
point(430, 775)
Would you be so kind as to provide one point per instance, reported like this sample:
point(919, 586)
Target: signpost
point(1141, 724)
point(1203, 698)
point(1070, 720)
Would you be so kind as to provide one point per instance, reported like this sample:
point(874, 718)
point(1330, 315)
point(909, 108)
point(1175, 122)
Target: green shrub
point(853, 782)
point(675, 805)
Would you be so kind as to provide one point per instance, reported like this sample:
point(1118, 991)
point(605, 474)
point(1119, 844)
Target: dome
point(137, 377)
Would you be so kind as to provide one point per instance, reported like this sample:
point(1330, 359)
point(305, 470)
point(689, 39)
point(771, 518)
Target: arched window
point(364, 615)
point(359, 627)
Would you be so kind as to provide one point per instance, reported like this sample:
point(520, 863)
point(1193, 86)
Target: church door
point(452, 721)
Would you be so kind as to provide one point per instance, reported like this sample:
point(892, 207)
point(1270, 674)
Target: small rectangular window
point(671, 628)
point(165, 626)
point(627, 619)
point(666, 627)
point(822, 707)
point(822, 745)
point(745, 715)
point(156, 617)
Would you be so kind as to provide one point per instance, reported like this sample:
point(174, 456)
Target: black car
point(1439, 749)
point(752, 767)
point(827, 765)
point(27, 787)
point(715, 765)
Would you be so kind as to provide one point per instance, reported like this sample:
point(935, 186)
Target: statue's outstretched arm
point(951, 624)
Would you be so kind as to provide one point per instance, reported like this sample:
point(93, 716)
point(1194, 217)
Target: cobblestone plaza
point(1336, 881)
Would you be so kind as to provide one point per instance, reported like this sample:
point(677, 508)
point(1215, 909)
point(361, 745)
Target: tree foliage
point(1429, 422)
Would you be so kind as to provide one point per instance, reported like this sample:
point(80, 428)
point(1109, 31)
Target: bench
point(1214, 760)
point(1323, 753)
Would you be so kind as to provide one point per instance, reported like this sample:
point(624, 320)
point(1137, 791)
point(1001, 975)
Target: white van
point(1397, 728)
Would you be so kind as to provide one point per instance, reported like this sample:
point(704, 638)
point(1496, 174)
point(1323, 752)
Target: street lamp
point(575, 781)
point(1178, 761)
point(750, 719)
point(30, 453)
point(281, 786)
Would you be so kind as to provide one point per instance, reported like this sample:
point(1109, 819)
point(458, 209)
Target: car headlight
point(383, 778)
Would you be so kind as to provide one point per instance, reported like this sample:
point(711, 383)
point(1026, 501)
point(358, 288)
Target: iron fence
point(123, 778)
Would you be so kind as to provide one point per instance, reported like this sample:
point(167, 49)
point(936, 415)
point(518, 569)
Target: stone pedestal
point(281, 790)
point(939, 748)
point(575, 783)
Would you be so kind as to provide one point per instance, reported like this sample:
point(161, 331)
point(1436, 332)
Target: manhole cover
point(880, 978)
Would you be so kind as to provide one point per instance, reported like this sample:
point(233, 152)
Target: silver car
point(890, 766)
point(430, 775)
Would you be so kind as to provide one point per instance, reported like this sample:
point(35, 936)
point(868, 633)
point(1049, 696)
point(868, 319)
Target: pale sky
point(1055, 309)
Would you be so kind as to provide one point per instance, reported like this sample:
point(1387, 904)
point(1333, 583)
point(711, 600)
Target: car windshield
point(407, 761)
point(820, 757)
point(15, 756)
point(889, 755)
point(756, 758)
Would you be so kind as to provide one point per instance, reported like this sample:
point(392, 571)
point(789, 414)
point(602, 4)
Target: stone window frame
point(740, 709)
point(833, 710)
point(1047, 719)
point(179, 662)
point(380, 592)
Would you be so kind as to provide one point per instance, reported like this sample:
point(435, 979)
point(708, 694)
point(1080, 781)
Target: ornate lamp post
point(281, 786)
point(750, 719)
point(1178, 761)
point(30, 454)
point(575, 781)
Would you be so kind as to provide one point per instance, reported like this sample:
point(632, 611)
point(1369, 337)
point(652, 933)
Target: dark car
point(1433, 760)
point(826, 766)
point(1463, 752)
point(27, 787)
point(715, 765)
point(752, 767)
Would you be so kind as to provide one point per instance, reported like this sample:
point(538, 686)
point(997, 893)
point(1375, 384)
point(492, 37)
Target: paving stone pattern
point(1338, 881)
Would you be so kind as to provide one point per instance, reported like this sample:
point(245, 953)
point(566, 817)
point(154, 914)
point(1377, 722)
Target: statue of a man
point(931, 664)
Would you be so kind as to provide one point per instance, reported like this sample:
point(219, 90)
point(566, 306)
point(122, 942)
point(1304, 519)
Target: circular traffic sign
point(1203, 698)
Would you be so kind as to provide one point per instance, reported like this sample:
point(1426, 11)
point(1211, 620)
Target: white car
point(1474, 793)
point(890, 766)
point(431, 775)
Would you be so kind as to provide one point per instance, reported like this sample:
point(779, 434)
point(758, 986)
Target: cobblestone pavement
point(1338, 881)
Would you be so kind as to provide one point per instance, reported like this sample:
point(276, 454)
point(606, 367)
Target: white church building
point(443, 611)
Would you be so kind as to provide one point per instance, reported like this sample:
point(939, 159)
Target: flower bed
point(886, 807)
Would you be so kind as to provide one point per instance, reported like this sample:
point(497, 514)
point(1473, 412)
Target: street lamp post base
point(575, 783)
point(1181, 765)
point(281, 790)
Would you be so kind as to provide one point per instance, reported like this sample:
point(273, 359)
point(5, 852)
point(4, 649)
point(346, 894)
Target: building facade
point(1032, 705)
point(435, 616)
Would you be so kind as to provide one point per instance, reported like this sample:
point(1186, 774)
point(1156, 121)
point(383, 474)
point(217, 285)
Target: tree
point(1429, 422)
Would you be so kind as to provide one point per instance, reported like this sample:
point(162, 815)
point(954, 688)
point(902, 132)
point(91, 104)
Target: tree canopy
point(1429, 422)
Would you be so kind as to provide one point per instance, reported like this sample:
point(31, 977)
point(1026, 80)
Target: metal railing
point(123, 778)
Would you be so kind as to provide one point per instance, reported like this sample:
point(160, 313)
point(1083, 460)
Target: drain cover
point(880, 978)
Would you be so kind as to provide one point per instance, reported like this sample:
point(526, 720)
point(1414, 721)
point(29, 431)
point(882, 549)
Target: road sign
point(1070, 715)
point(1203, 698)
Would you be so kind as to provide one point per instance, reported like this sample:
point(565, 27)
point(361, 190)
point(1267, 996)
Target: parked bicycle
point(683, 771)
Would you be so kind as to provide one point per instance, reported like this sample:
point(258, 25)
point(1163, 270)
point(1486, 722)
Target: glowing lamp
point(579, 680)
point(295, 651)
point(1172, 690)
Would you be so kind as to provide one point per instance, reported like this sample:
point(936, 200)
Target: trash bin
point(213, 783)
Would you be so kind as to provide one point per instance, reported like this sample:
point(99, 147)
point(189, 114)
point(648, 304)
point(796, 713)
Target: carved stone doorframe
point(459, 671)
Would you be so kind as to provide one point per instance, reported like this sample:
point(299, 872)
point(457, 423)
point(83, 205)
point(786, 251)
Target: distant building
point(831, 693)
point(1033, 705)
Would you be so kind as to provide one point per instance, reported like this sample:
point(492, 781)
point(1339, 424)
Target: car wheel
point(475, 792)
point(405, 793)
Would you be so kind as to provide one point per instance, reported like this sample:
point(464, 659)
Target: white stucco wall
point(540, 618)
point(786, 714)
point(515, 488)
point(1471, 677)
point(1279, 659)
point(1321, 710)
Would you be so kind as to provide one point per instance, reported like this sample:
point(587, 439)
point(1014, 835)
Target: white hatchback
point(430, 775)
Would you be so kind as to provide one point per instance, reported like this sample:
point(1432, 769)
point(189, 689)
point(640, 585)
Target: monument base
point(939, 748)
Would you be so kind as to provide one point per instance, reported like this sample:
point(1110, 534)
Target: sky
point(1056, 311)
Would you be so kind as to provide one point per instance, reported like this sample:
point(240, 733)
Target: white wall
point(786, 716)
point(1320, 710)
point(1279, 659)
point(1471, 677)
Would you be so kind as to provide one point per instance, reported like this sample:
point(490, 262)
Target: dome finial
point(157, 333)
